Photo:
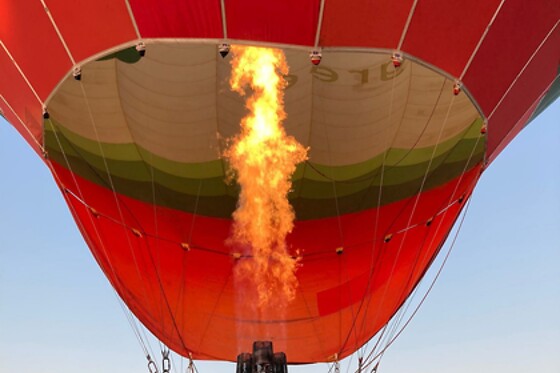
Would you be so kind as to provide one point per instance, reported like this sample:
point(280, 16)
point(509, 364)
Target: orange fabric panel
point(89, 27)
point(191, 300)
point(30, 37)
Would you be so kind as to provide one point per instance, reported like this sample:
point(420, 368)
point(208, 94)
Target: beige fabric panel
point(169, 100)
point(176, 103)
point(92, 109)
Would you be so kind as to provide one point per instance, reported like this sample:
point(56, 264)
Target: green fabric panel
point(128, 55)
point(393, 176)
point(306, 208)
point(88, 165)
point(215, 169)
point(318, 208)
point(133, 152)
point(140, 172)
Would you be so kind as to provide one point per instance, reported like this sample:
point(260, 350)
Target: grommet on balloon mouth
point(185, 246)
point(483, 129)
point(315, 57)
point(224, 49)
point(46, 114)
point(141, 49)
point(77, 73)
point(388, 238)
point(339, 250)
point(94, 212)
point(461, 199)
point(236, 256)
point(429, 222)
point(457, 87)
point(397, 59)
point(136, 232)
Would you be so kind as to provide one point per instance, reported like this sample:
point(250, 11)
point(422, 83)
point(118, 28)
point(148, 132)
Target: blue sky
point(494, 309)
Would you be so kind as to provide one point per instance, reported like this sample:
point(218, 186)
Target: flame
point(264, 158)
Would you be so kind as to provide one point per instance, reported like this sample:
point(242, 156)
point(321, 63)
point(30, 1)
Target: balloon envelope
point(135, 145)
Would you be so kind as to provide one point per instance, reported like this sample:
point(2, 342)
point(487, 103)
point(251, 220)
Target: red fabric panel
point(287, 21)
point(18, 95)
point(516, 33)
point(89, 27)
point(12, 119)
point(445, 33)
point(30, 37)
point(178, 19)
point(523, 98)
point(514, 131)
point(192, 302)
point(364, 23)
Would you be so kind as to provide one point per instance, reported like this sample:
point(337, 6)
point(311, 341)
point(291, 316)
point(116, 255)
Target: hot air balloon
point(402, 106)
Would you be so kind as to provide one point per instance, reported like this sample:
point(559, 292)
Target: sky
point(495, 308)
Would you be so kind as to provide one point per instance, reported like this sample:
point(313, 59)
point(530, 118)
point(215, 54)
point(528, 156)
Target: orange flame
point(264, 159)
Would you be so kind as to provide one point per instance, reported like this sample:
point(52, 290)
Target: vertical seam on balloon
point(82, 200)
point(523, 70)
point(481, 40)
point(122, 217)
point(386, 327)
point(118, 203)
point(21, 73)
point(149, 168)
point(417, 198)
point(319, 23)
point(407, 24)
point(41, 147)
point(132, 19)
point(442, 211)
point(379, 198)
point(224, 18)
point(317, 332)
point(390, 342)
point(56, 29)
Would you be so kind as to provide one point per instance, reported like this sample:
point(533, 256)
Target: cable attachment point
point(152, 367)
point(191, 368)
point(316, 56)
point(397, 59)
point(360, 364)
point(224, 49)
point(457, 86)
point(141, 49)
point(165, 362)
point(77, 73)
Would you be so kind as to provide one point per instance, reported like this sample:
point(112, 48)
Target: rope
point(81, 198)
point(371, 358)
point(408, 21)
point(378, 212)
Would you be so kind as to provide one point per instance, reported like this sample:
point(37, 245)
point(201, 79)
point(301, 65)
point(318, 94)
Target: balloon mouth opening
point(150, 126)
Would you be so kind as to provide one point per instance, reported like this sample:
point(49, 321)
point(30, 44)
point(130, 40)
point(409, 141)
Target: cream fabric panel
point(176, 103)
